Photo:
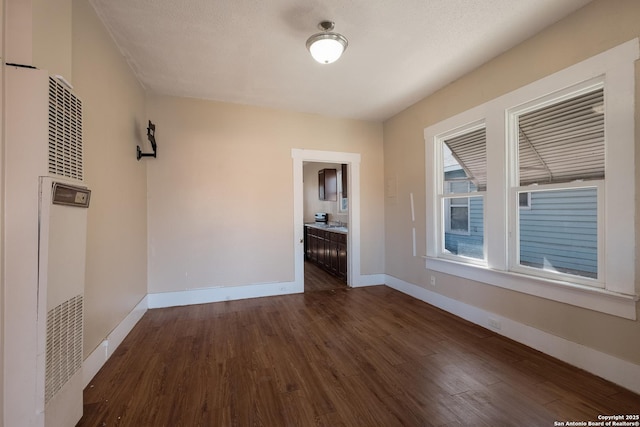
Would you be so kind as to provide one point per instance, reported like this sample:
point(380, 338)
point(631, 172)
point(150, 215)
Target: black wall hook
point(151, 134)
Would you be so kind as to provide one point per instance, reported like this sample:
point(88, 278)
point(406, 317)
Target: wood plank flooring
point(316, 279)
point(349, 357)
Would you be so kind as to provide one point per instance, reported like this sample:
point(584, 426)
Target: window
point(343, 201)
point(558, 146)
point(515, 187)
point(464, 180)
point(524, 200)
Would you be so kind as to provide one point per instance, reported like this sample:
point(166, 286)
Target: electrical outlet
point(494, 323)
point(433, 280)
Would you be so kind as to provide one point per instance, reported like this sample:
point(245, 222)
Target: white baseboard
point(103, 352)
point(207, 295)
point(370, 280)
point(218, 294)
point(621, 372)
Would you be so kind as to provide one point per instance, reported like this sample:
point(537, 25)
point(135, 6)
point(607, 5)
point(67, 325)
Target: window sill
point(596, 299)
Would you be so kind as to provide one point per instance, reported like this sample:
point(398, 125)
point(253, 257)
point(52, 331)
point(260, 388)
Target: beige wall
point(312, 202)
point(600, 25)
point(38, 33)
point(220, 193)
point(52, 36)
point(114, 123)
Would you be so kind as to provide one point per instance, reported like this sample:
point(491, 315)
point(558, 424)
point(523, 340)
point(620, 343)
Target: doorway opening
point(346, 215)
point(326, 225)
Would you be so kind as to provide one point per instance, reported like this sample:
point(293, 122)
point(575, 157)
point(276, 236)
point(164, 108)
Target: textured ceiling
point(253, 51)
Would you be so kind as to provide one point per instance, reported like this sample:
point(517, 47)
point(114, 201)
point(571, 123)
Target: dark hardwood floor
point(348, 357)
point(316, 279)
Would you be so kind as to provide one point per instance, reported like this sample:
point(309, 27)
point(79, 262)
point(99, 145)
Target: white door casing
point(353, 240)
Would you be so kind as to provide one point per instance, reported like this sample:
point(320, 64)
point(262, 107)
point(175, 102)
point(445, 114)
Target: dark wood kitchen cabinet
point(342, 257)
point(337, 254)
point(315, 244)
point(321, 247)
point(307, 250)
point(328, 250)
point(328, 185)
point(311, 244)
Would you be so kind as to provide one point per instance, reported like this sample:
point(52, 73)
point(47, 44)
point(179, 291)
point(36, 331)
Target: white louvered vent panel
point(65, 132)
point(64, 345)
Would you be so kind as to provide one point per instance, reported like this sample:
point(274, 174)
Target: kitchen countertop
point(329, 227)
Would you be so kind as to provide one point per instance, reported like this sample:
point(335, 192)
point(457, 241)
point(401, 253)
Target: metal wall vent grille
point(65, 132)
point(64, 345)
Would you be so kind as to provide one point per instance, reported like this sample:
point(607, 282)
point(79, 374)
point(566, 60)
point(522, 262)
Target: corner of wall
point(107, 347)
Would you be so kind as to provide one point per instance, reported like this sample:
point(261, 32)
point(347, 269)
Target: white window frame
point(617, 294)
point(439, 181)
point(514, 182)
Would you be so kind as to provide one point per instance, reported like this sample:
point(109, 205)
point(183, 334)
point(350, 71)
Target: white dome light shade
point(326, 47)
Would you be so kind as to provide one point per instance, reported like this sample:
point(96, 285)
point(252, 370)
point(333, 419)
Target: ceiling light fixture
point(326, 47)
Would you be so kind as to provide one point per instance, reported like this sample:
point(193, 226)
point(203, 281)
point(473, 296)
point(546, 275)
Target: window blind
point(563, 142)
point(470, 152)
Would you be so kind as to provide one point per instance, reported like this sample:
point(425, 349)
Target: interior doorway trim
point(353, 238)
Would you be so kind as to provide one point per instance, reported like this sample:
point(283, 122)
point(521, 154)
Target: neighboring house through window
point(524, 200)
point(462, 191)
